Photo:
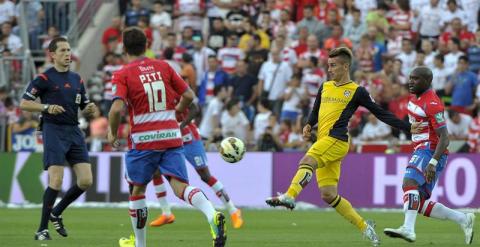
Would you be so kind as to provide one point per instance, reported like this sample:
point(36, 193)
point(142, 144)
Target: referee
point(61, 93)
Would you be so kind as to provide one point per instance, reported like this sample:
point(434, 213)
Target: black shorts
point(63, 143)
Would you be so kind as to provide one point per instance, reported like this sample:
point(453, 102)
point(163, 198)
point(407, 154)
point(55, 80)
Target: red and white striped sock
point(195, 197)
point(439, 211)
point(161, 192)
point(217, 186)
point(138, 215)
point(411, 203)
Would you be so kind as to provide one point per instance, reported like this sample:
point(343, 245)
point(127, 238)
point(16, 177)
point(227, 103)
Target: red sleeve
point(119, 85)
point(436, 116)
point(178, 84)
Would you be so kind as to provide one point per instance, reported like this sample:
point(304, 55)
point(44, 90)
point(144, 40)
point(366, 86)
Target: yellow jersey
point(335, 105)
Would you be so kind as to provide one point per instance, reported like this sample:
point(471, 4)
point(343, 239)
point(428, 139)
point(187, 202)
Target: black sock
point(72, 194)
point(48, 200)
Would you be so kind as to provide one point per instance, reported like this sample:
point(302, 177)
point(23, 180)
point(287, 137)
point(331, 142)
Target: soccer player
point(336, 101)
point(61, 93)
point(196, 156)
point(149, 88)
point(427, 162)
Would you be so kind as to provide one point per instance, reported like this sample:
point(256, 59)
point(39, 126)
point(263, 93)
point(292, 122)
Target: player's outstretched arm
point(193, 111)
point(364, 99)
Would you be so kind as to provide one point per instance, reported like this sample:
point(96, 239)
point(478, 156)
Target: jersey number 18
point(156, 95)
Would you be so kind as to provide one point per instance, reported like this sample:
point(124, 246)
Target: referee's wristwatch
point(45, 108)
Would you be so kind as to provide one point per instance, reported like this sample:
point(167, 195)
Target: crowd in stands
point(256, 65)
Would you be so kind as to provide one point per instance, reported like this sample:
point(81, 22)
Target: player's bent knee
point(328, 196)
point(307, 160)
point(55, 183)
point(178, 187)
point(84, 183)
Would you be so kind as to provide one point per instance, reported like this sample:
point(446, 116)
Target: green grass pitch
point(276, 228)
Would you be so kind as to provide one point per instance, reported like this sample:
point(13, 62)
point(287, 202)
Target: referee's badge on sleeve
point(78, 99)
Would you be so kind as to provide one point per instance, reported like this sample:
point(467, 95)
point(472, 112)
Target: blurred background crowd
point(256, 65)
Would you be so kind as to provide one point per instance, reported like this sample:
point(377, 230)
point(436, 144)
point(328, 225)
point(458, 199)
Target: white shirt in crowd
point(279, 80)
point(214, 109)
point(200, 61)
point(429, 59)
point(14, 43)
point(448, 16)
point(408, 60)
point(7, 11)
point(471, 7)
point(289, 56)
point(451, 59)
point(430, 20)
point(161, 19)
point(260, 123)
point(371, 131)
point(234, 125)
point(460, 129)
point(440, 77)
point(364, 6)
point(292, 103)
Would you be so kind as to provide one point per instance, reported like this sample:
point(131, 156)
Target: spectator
point(211, 116)
point(453, 12)
point(440, 75)
point(458, 31)
point(407, 56)
point(52, 32)
point(218, 35)
point(474, 135)
point(261, 119)
point(168, 54)
point(355, 29)
point(7, 11)
point(365, 54)
point(187, 39)
point(189, 13)
point(256, 56)
point(244, 88)
point(457, 125)
point(322, 8)
point(462, 86)
point(451, 59)
point(246, 40)
point(378, 19)
point(311, 23)
point(273, 77)
point(312, 77)
point(285, 23)
point(188, 71)
point(401, 19)
point(200, 56)
point(473, 53)
point(12, 111)
point(112, 33)
point(300, 45)
point(134, 13)
point(229, 55)
point(365, 6)
point(160, 17)
point(375, 130)
point(336, 39)
point(234, 121)
point(177, 50)
point(160, 37)
point(472, 8)
point(313, 50)
point(3, 96)
point(14, 43)
point(212, 78)
point(427, 48)
point(430, 20)
point(145, 27)
point(269, 142)
point(394, 42)
point(288, 54)
point(292, 97)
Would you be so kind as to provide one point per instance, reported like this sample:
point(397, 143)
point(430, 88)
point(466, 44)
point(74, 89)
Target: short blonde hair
point(343, 52)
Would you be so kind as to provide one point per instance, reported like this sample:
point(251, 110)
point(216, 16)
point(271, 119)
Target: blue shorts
point(63, 143)
point(292, 115)
point(142, 164)
point(416, 167)
point(195, 154)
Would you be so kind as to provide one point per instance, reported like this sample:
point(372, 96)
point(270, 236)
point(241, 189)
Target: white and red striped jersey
point(474, 135)
point(321, 54)
point(178, 53)
point(400, 17)
point(289, 56)
point(312, 79)
point(429, 110)
point(190, 133)
point(150, 89)
point(228, 57)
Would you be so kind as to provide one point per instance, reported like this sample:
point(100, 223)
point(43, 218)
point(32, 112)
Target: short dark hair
point(217, 89)
point(52, 47)
point(187, 58)
point(440, 57)
point(464, 58)
point(308, 6)
point(134, 41)
point(231, 104)
point(343, 52)
point(313, 60)
point(168, 53)
point(455, 40)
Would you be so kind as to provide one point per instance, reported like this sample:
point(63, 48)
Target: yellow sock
point(345, 209)
point(301, 179)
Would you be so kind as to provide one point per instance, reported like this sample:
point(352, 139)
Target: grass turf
point(275, 228)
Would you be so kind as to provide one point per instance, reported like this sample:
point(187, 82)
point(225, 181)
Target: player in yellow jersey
point(336, 101)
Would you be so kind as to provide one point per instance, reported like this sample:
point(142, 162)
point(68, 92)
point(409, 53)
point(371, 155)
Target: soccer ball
point(232, 149)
